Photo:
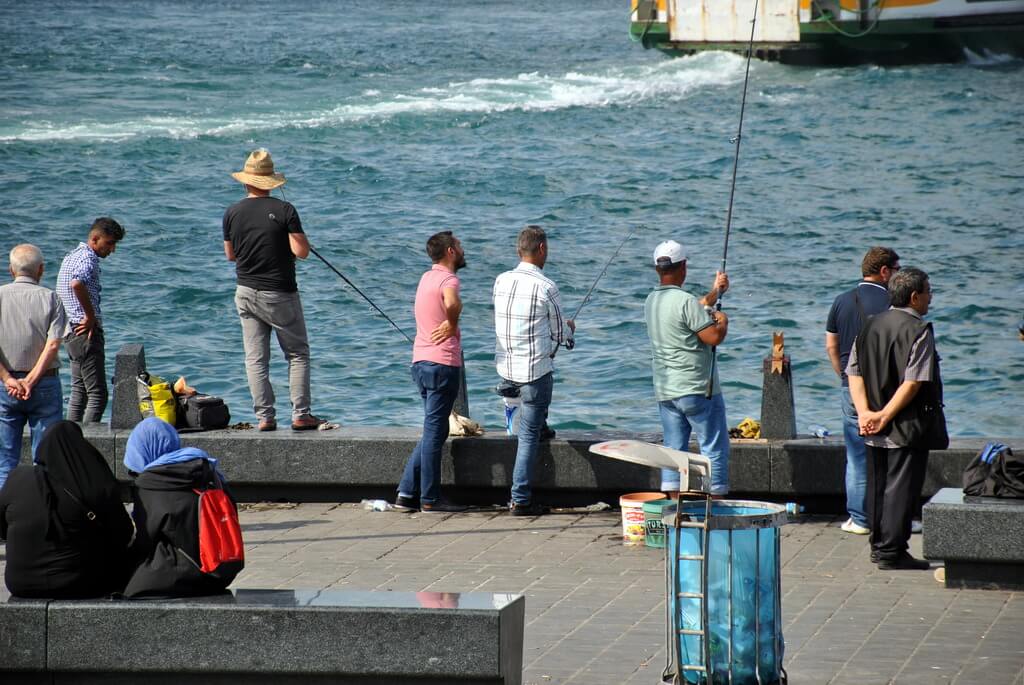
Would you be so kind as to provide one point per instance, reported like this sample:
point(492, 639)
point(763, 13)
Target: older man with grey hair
point(31, 326)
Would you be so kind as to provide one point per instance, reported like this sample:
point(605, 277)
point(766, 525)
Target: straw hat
point(259, 171)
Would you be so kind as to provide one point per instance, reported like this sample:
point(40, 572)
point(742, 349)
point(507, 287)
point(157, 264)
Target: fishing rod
point(571, 343)
point(732, 190)
point(353, 285)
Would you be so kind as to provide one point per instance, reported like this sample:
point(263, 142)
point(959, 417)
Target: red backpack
point(221, 553)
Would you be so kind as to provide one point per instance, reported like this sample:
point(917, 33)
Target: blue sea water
point(395, 120)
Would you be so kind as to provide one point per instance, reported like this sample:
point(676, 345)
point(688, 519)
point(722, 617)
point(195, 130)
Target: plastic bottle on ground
point(819, 431)
point(794, 508)
point(375, 504)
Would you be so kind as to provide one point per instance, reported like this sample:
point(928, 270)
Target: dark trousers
point(895, 478)
point(89, 393)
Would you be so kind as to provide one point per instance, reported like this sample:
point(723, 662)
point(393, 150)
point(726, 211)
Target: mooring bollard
point(778, 413)
point(129, 363)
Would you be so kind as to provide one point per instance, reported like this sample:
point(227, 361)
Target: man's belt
point(48, 372)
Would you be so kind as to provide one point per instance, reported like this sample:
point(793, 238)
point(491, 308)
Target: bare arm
point(719, 288)
point(88, 324)
point(299, 244)
point(229, 251)
point(832, 348)
point(858, 394)
point(452, 304)
point(715, 333)
point(44, 361)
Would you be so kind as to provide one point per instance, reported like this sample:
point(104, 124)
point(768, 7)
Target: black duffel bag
point(995, 472)
point(202, 413)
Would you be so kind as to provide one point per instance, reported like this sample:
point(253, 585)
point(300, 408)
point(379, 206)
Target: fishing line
point(353, 285)
point(732, 189)
point(571, 343)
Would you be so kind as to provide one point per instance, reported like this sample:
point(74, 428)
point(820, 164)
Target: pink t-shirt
point(429, 310)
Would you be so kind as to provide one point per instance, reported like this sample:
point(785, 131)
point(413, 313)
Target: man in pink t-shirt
point(436, 367)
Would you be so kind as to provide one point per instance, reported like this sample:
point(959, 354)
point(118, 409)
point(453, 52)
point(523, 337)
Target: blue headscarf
point(154, 442)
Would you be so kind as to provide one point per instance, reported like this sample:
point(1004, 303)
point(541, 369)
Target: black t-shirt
point(258, 229)
point(844, 319)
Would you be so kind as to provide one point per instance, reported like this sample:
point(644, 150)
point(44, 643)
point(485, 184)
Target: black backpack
point(202, 413)
point(995, 472)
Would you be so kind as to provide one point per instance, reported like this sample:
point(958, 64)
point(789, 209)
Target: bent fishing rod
point(732, 191)
point(353, 285)
point(570, 342)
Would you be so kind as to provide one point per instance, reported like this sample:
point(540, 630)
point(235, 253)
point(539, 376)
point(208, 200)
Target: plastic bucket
point(654, 528)
point(632, 506)
point(743, 609)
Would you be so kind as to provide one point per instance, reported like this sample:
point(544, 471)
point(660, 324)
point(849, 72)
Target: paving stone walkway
point(595, 608)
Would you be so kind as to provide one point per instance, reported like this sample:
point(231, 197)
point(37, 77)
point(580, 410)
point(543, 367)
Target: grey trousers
point(263, 311)
point(89, 393)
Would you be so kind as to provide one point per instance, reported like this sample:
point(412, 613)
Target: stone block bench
point(267, 636)
point(980, 539)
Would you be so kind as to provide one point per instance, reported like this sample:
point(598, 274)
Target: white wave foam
point(670, 79)
point(987, 58)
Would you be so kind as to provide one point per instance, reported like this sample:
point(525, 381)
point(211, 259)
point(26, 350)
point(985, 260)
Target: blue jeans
point(439, 386)
point(683, 414)
point(533, 414)
point(43, 409)
point(856, 463)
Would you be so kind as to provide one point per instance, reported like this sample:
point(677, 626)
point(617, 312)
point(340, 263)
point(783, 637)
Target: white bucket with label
point(633, 525)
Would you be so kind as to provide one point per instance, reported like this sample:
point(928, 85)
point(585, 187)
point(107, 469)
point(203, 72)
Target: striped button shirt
point(528, 323)
point(81, 264)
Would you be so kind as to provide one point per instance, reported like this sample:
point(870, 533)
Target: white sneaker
point(851, 527)
point(916, 527)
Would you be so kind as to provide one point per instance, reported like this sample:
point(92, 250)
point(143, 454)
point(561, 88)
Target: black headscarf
point(75, 479)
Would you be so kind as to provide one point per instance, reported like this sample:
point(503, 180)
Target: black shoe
point(904, 562)
point(528, 509)
point(405, 504)
point(874, 557)
point(441, 507)
point(547, 432)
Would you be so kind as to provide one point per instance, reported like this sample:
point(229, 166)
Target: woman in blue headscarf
point(166, 512)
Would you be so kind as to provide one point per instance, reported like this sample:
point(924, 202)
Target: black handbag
point(202, 413)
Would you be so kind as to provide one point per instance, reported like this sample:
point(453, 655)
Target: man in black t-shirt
point(848, 314)
point(263, 236)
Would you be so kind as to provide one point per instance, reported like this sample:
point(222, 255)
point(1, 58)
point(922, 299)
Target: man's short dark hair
point(665, 269)
point(876, 258)
point(107, 227)
point(438, 244)
point(530, 240)
point(905, 283)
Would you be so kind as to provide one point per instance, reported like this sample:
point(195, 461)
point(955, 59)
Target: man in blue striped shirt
point(78, 285)
point(529, 328)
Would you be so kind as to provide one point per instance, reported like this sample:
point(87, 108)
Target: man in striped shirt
point(529, 328)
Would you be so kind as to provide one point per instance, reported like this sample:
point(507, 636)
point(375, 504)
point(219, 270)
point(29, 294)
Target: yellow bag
point(157, 399)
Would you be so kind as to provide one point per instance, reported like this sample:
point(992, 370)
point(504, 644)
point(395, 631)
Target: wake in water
point(668, 80)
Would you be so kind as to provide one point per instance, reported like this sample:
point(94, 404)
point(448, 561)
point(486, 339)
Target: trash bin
point(725, 603)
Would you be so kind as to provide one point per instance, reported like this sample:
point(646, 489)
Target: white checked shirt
point(528, 323)
point(81, 264)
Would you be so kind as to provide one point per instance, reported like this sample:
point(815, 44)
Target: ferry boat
point(835, 32)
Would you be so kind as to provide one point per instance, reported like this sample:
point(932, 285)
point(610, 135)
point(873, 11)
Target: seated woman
point(166, 513)
point(67, 530)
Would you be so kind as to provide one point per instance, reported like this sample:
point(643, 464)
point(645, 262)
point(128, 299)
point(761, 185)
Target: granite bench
point(980, 539)
point(267, 636)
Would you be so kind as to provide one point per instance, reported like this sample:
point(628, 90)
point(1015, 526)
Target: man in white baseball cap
point(683, 331)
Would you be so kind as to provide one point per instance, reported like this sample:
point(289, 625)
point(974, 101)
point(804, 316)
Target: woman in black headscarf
point(67, 531)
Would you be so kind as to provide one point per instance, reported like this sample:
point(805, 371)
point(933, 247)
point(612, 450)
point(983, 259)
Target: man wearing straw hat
point(263, 236)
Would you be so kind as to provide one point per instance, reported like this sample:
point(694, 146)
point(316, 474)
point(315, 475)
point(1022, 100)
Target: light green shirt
point(680, 362)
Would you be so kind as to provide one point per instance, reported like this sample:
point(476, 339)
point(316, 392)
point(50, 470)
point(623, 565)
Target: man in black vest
point(896, 387)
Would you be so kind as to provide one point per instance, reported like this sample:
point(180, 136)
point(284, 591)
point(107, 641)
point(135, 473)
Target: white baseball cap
point(669, 252)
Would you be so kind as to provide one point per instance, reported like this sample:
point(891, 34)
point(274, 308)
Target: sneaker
point(268, 425)
point(442, 507)
point(405, 504)
point(528, 509)
point(916, 527)
point(307, 423)
point(904, 562)
point(851, 526)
